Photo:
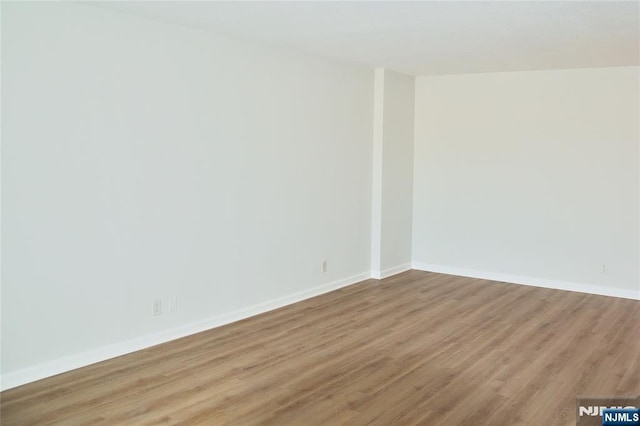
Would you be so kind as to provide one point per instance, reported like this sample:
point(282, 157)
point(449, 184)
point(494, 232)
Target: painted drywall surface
point(392, 173)
point(142, 160)
point(530, 174)
point(376, 185)
point(397, 170)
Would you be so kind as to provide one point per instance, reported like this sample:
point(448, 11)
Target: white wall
point(530, 177)
point(393, 173)
point(142, 160)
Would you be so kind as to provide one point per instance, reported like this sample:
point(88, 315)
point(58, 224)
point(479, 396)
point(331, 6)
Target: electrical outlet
point(604, 269)
point(173, 303)
point(157, 307)
point(323, 266)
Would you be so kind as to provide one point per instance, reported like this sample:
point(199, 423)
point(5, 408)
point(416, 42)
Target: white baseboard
point(62, 365)
point(535, 282)
point(390, 271)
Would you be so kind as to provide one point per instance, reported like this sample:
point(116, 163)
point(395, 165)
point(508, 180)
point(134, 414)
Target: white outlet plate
point(157, 307)
point(173, 303)
point(323, 266)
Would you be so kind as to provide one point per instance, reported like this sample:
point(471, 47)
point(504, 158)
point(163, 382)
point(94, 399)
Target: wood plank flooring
point(417, 348)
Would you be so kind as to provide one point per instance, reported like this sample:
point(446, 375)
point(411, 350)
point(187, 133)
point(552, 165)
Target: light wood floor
point(417, 348)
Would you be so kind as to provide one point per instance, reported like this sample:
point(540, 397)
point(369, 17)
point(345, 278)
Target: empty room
point(320, 213)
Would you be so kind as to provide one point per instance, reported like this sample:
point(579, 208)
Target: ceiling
point(430, 37)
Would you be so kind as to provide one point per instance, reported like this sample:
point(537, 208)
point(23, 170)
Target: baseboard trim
point(530, 281)
point(62, 365)
point(379, 275)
